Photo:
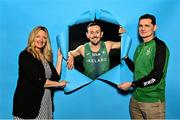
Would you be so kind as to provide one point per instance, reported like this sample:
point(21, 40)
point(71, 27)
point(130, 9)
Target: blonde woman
point(32, 98)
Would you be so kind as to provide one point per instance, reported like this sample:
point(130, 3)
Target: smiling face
point(40, 40)
point(94, 34)
point(146, 29)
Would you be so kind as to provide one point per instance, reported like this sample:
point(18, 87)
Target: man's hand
point(70, 62)
point(125, 86)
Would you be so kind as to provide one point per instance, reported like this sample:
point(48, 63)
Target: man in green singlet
point(95, 53)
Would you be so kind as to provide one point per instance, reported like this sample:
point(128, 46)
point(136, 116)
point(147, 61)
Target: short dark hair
point(93, 24)
point(149, 16)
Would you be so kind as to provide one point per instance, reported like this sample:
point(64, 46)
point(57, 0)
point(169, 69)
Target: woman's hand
point(63, 83)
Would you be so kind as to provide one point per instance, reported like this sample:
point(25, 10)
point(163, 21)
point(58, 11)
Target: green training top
point(150, 66)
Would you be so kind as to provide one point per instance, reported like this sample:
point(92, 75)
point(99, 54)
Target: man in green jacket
point(149, 68)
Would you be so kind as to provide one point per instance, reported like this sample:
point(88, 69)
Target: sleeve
point(55, 75)
point(130, 64)
point(31, 70)
point(157, 73)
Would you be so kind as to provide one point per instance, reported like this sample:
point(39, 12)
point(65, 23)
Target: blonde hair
point(46, 50)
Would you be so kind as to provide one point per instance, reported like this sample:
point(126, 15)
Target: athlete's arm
point(112, 45)
point(74, 53)
point(115, 45)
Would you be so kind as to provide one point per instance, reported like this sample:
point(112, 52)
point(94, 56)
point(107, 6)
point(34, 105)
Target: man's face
point(94, 34)
point(146, 29)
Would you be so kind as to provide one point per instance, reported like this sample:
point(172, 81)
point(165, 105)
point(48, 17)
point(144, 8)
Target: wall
point(98, 100)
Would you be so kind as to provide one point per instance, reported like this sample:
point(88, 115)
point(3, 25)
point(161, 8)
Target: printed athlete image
point(95, 53)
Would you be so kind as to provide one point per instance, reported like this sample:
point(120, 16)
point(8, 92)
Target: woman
point(32, 98)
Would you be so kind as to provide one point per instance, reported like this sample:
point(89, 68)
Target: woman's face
point(40, 39)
